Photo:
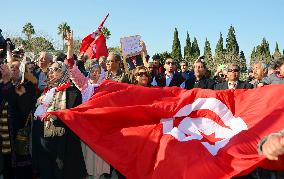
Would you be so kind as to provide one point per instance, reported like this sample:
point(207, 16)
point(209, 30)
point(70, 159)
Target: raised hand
point(6, 73)
point(69, 38)
point(142, 44)
point(70, 50)
point(273, 147)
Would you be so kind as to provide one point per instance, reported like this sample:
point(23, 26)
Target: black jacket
point(240, 85)
point(176, 81)
point(202, 83)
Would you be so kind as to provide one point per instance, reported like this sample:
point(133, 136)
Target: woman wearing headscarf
point(96, 166)
point(57, 151)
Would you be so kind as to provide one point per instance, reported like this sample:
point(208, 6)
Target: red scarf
point(61, 87)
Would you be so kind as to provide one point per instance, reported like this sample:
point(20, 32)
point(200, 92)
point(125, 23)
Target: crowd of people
point(36, 145)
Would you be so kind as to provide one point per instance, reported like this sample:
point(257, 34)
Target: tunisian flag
point(175, 133)
point(94, 45)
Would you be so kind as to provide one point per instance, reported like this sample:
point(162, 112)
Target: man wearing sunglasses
point(171, 77)
point(233, 82)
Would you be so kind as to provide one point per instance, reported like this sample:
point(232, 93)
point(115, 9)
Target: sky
point(154, 20)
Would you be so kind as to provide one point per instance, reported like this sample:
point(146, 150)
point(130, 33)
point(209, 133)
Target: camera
point(3, 45)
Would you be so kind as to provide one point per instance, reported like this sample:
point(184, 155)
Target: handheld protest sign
point(130, 46)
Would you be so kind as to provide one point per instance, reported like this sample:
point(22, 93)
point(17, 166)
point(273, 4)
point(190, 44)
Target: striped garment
point(4, 132)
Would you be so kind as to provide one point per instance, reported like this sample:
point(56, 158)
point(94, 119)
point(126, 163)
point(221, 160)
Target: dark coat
point(60, 156)
point(19, 107)
point(202, 83)
point(240, 85)
point(176, 81)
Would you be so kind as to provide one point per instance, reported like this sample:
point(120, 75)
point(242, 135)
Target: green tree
point(115, 50)
point(219, 52)
point(77, 45)
point(106, 32)
point(277, 54)
point(208, 55)
point(262, 52)
point(39, 44)
point(62, 29)
point(164, 56)
point(35, 45)
point(232, 47)
point(194, 50)
point(243, 62)
point(28, 30)
point(18, 41)
point(253, 57)
point(187, 48)
point(176, 48)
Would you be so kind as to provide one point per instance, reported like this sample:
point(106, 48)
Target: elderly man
point(44, 61)
point(113, 69)
point(278, 76)
point(259, 72)
point(233, 82)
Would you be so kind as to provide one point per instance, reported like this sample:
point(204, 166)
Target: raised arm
point(144, 54)
point(126, 69)
point(78, 78)
point(9, 54)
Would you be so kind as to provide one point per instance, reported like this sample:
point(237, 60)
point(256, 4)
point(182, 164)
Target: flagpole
point(102, 23)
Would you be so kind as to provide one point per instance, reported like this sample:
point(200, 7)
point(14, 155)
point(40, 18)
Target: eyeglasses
point(233, 70)
point(96, 70)
point(53, 69)
point(142, 73)
point(168, 63)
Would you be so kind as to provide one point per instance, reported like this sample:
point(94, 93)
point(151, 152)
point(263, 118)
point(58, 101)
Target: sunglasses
point(168, 63)
point(233, 70)
point(142, 73)
point(222, 75)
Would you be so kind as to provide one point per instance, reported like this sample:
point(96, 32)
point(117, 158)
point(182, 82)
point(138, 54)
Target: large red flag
point(175, 133)
point(94, 45)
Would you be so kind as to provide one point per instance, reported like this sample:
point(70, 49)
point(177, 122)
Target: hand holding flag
point(94, 45)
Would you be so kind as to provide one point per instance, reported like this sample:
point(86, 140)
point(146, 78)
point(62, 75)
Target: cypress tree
point(253, 56)
point(219, 51)
point(208, 55)
point(232, 47)
point(187, 48)
point(243, 62)
point(263, 53)
point(195, 52)
point(277, 54)
point(176, 49)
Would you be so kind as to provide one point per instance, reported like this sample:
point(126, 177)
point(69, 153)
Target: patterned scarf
point(54, 99)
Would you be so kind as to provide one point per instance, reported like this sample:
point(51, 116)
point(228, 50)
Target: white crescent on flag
point(192, 128)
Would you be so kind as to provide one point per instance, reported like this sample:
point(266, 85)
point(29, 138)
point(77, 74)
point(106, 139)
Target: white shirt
point(168, 81)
